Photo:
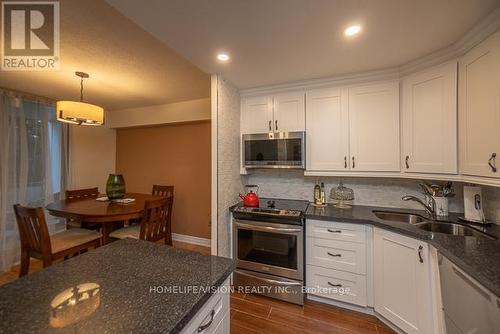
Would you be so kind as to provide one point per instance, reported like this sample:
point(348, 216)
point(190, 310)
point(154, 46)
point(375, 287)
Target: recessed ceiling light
point(223, 56)
point(352, 30)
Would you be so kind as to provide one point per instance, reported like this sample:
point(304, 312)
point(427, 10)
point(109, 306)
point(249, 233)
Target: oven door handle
point(268, 228)
point(268, 280)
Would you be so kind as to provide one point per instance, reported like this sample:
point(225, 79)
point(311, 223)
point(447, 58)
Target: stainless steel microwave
point(274, 150)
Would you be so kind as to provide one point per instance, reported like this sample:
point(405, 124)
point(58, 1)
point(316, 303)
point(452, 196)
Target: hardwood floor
point(258, 314)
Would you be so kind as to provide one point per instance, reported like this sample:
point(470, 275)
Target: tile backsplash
point(382, 192)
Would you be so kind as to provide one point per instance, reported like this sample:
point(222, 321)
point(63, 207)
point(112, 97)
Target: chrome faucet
point(430, 208)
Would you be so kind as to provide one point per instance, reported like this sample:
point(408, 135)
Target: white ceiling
point(277, 41)
point(128, 67)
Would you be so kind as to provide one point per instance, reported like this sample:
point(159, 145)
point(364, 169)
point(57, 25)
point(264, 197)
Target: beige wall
point(92, 156)
point(176, 154)
point(186, 111)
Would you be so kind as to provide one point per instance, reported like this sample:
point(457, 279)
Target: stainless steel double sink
point(430, 225)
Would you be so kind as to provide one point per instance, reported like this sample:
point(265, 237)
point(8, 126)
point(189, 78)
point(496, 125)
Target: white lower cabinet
point(336, 261)
point(341, 255)
point(371, 267)
point(337, 285)
point(213, 317)
point(402, 285)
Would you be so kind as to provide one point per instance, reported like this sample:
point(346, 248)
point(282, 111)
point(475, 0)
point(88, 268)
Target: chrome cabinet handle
point(276, 124)
point(353, 163)
point(334, 231)
point(406, 162)
point(270, 126)
point(203, 327)
point(421, 259)
point(334, 285)
point(345, 162)
point(492, 162)
point(334, 255)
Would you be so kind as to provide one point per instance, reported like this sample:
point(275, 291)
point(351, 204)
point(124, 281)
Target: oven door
point(275, 249)
point(274, 150)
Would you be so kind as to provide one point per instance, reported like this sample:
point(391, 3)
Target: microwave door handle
point(268, 228)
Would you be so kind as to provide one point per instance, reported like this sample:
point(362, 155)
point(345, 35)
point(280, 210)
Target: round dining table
point(107, 213)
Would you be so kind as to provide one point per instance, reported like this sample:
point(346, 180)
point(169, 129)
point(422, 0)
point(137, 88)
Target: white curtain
point(30, 160)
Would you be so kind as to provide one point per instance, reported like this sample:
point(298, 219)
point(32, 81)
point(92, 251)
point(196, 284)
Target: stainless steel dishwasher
point(468, 307)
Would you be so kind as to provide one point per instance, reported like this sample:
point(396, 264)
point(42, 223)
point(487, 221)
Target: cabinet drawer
point(210, 316)
point(336, 231)
point(335, 254)
point(337, 285)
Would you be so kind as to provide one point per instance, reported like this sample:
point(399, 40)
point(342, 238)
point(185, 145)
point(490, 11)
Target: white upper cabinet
point(327, 129)
point(257, 116)
point(479, 109)
point(289, 112)
point(279, 113)
point(374, 127)
point(402, 286)
point(429, 118)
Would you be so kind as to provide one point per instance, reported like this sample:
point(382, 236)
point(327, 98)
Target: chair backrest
point(82, 193)
point(33, 231)
point(155, 224)
point(163, 191)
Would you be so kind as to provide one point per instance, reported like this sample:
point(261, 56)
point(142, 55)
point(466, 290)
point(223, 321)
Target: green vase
point(115, 187)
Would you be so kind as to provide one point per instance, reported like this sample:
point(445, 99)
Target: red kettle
point(251, 199)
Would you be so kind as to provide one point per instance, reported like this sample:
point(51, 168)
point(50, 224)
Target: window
point(30, 165)
point(42, 151)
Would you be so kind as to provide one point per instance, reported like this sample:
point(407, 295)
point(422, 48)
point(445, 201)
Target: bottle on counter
point(322, 194)
point(317, 193)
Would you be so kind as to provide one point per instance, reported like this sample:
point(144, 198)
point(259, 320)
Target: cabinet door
point(402, 288)
point(479, 108)
point(257, 115)
point(374, 127)
point(327, 130)
point(289, 112)
point(429, 112)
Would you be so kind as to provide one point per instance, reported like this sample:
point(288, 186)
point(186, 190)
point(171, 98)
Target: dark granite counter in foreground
point(121, 287)
point(477, 256)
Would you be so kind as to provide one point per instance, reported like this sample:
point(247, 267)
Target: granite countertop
point(116, 284)
point(477, 256)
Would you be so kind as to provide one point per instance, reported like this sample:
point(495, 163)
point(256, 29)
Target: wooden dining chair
point(162, 191)
point(79, 194)
point(155, 224)
point(165, 191)
point(37, 243)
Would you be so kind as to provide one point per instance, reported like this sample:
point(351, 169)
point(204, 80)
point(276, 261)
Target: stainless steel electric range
point(268, 246)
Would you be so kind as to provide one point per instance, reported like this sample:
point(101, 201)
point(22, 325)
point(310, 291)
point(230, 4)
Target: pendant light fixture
point(79, 113)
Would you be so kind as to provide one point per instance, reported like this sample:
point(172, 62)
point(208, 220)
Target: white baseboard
point(189, 239)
